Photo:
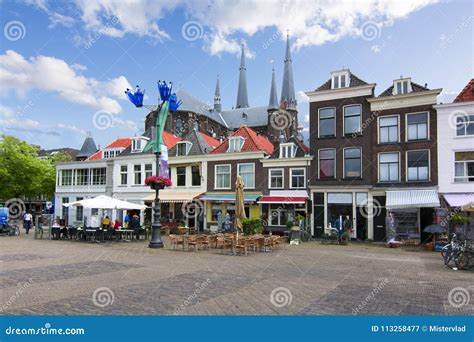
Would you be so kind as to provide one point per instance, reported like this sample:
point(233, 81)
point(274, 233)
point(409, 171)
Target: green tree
point(22, 174)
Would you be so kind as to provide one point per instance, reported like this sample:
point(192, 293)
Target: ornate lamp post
point(169, 102)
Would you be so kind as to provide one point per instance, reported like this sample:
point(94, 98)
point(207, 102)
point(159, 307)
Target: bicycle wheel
point(447, 255)
point(462, 261)
point(17, 231)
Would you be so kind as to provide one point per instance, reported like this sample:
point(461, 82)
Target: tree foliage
point(22, 173)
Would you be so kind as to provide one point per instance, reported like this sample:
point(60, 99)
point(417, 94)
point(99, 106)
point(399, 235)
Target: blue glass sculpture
point(136, 97)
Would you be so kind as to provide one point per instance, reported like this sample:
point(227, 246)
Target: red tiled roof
point(467, 94)
point(170, 139)
point(253, 142)
point(120, 142)
point(210, 140)
point(96, 156)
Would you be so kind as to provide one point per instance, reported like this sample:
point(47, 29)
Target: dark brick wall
point(403, 146)
point(340, 142)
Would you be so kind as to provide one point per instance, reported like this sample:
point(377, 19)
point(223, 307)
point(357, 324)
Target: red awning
point(282, 199)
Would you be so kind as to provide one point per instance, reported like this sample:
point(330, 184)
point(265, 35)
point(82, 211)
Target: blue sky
point(65, 64)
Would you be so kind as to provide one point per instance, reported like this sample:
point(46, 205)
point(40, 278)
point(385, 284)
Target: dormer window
point(340, 80)
point(402, 86)
point(235, 144)
point(138, 144)
point(287, 150)
point(111, 153)
point(183, 148)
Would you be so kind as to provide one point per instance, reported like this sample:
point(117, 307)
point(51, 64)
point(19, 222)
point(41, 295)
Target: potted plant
point(158, 182)
point(460, 221)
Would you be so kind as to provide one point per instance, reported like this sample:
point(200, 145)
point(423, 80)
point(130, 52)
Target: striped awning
point(464, 201)
point(228, 198)
point(173, 197)
point(281, 199)
point(412, 199)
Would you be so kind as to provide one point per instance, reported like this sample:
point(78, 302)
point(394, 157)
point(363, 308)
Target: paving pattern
point(73, 278)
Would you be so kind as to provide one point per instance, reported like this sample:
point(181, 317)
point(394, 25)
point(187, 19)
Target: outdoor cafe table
point(128, 233)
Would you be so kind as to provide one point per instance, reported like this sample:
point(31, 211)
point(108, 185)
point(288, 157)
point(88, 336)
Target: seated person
point(63, 232)
point(117, 224)
point(105, 222)
point(135, 226)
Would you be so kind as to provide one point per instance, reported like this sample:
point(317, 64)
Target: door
point(380, 212)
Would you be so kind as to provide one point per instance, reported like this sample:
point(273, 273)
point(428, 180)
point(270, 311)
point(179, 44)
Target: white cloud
point(301, 97)
point(54, 75)
point(310, 22)
point(376, 49)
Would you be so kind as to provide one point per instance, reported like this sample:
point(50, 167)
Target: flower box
point(158, 182)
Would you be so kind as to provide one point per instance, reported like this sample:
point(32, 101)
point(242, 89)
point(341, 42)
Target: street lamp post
point(169, 102)
point(156, 241)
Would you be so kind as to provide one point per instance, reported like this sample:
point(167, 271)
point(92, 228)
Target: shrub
point(252, 226)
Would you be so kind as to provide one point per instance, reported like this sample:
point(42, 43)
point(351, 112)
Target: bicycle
point(9, 230)
point(451, 251)
point(463, 258)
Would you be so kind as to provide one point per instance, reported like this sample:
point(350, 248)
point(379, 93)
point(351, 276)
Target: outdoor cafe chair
point(192, 243)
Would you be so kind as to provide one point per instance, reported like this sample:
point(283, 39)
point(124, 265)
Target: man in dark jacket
point(135, 226)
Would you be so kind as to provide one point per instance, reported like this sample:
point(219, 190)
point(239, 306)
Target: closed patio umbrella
point(239, 204)
point(434, 229)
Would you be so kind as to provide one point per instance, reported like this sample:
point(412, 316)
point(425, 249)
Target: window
point(327, 122)
point(138, 144)
point(123, 174)
point(66, 177)
point(287, 150)
point(388, 129)
point(235, 144)
point(327, 163)
point(276, 178)
point(137, 170)
point(298, 178)
point(418, 165)
point(183, 148)
point(247, 172)
point(82, 177)
point(352, 115)
point(401, 87)
point(196, 175)
point(148, 170)
point(352, 163)
point(389, 167)
point(417, 126)
point(99, 176)
point(278, 215)
point(464, 166)
point(340, 81)
point(79, 211)
point(65, 210)
point(464, 125)
point(222, 177)
point(181, 176)
point(106, 155)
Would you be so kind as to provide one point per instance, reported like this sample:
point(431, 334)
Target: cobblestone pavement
point(76, 278)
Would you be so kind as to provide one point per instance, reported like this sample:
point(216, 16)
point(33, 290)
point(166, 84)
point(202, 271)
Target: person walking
point(27, 219)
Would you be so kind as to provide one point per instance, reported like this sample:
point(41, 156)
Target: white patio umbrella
point(105, 202)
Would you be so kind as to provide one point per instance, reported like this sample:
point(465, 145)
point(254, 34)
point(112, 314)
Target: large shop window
point(327, 122)
point(339, 207)
point(464, 125)
point(247, 172)
point(298, 180)
point(464, 166)
point(327, 163)
point(222, 177)
point(352, 119)
point(417, 126)
point(418, 165)
point(389, 166)
point(276, 178)
point(278, 215)
point(388, 129)
point(181, 176)
point(352, 163)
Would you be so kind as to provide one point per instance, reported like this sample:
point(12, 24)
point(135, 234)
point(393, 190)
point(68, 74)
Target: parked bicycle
point(8, 229)
point(458, 253)
point(465, 258)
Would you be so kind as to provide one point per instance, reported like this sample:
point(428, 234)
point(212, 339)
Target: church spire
point(288, 98)
point(273, 103)
point(217, 97)
point(242, 97)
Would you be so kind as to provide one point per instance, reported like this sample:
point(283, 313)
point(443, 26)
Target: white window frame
point(338, 76)
point(335, 162)
point(344, 134)
point(185, 176)
point(253, 172)
point(93, 175)
point(404, 91)
point(231, 140)
point(466, 123)
point(427, 126)
point(344, 162)
point(398, 128)
point(188, 144)
point(291, 178)
point(270, 215)
point(282, 178)
point(71, 182)
point(135, 175)
point(429, 166)
point(399, 168)
point(88, 175)
point(465, 178)
point(319, 123)
point(286, 149)
point(150, 170)
point(215, 176)
point(121, 172)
